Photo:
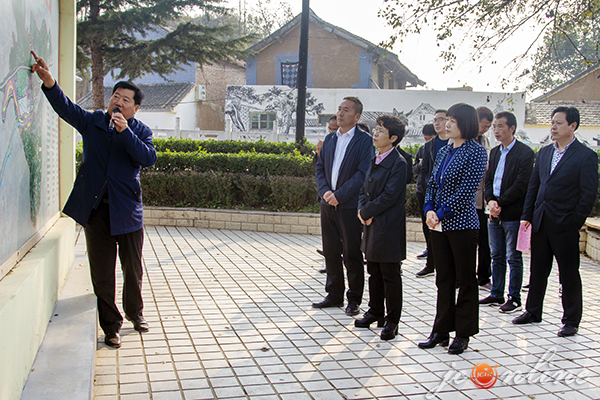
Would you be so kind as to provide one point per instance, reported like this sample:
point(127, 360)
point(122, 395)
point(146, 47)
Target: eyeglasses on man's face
point(440, 119)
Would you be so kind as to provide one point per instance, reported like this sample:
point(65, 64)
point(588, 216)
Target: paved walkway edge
point(64, 365)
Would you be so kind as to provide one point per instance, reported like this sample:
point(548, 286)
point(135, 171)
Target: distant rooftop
point(165, 96)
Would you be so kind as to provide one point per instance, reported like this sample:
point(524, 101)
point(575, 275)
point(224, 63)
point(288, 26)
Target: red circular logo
point(484, 376)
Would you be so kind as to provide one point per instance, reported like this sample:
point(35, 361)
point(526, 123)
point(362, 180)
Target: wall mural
point(415, 108)
point(28, 127)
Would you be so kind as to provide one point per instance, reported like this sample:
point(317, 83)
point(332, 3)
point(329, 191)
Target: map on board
point(28, 126)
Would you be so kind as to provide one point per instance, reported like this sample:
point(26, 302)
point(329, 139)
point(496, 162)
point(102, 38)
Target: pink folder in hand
point(524, 239)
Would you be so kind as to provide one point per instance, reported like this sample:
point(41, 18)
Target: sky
point(419, 52)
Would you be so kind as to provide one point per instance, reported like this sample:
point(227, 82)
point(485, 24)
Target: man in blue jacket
point(106, 198)
point(340, 173)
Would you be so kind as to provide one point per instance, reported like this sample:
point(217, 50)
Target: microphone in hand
point(111, 124)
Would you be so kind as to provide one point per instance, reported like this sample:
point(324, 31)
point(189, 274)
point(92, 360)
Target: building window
point(289, 74)
point(262, 121)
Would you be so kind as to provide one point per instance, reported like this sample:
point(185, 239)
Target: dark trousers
point(102, 255)
point(484, 256)
point(455, 258)
point(426, 231)
point(545, 245)
point(385, 283)
point(341, 232)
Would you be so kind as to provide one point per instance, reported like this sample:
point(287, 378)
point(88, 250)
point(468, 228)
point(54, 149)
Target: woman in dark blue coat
point(452, 218)
point(382, 211)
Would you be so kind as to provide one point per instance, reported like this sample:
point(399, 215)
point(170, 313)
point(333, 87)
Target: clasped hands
point(362, 221)
point(494, 208)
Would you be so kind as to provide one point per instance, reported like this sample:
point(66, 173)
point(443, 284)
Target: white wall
point(165, 119)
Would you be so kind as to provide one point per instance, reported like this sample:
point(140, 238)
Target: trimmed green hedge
point(230, 146)
point(229, 190)
point(291, 164)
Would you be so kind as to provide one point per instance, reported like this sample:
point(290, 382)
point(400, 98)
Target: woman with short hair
point(452, 217)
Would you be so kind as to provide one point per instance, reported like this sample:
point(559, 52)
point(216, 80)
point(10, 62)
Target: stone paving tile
point(230, 318)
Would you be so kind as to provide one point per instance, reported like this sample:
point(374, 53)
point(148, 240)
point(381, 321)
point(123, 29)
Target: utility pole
point(302, 72)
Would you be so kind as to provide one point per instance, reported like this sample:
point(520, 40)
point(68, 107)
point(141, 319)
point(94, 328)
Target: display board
point(29, 195)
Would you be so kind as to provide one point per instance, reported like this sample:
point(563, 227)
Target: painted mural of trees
point(240, 99)
point(284, 103)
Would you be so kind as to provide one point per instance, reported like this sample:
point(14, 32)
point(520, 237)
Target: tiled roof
point(539, 113)
point(165, 96)
point(388, 56)
point(567, 83)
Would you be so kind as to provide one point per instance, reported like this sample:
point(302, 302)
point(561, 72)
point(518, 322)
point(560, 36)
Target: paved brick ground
point(231, 318)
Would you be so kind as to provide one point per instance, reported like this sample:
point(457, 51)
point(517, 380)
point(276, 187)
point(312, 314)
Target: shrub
point(230, 146)
point(293, 164)
point(228, 190)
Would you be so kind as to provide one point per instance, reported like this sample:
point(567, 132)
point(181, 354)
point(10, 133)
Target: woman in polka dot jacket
point(451, 215)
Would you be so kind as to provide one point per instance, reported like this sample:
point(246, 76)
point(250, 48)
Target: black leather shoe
point(327, 302)
point(434, 340)
point(459, 344)
point(113, 340)
point(139, 324)
point(567, 330)
point(352, 309)
point(323, 270)
point(390, 330)
point(367, 320)
point(320, 252)
point(526, 318)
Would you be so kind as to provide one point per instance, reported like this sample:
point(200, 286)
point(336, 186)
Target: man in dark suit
point(561, 194)
point(107, 198)
point(340, 173)
point(430, 151)
point(506, 180)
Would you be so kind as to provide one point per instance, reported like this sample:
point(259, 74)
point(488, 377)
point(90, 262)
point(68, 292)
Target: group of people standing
point(474, 202)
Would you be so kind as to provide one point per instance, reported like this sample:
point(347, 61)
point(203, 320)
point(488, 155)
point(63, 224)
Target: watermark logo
point(484, 376)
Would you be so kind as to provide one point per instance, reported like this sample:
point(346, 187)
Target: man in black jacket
point(340, 173)
point(506, 180)
point(430, 151)
point(428, 134)
point(560, 196)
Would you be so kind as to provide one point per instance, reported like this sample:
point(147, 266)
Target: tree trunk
point(97, 61)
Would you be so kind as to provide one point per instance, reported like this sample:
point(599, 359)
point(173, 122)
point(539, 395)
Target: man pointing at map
point(107, 198)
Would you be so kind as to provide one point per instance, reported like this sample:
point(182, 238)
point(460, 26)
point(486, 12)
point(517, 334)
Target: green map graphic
point(22, 123)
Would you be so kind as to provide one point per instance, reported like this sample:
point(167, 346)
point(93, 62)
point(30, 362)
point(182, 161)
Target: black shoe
point(113, 340)
point(323, 270)
point(367, 320)
point(390, 330)
point(423, 255)
point(492, 301)
point(352, 309)
point(320, 252)
point(434, 340)
point(567, 330)
point(526, 318)
point(327, 302)
point(139, 324)
point(525, 288)
point(459, 344)
point(425, 272)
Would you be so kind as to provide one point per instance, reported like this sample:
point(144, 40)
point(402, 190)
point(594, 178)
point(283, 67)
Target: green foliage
point(229, 146)
point(565, 53)
point(247, 163)
point(121, 35)
point(412, 148)
point(481, 27)
point(228, 190)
